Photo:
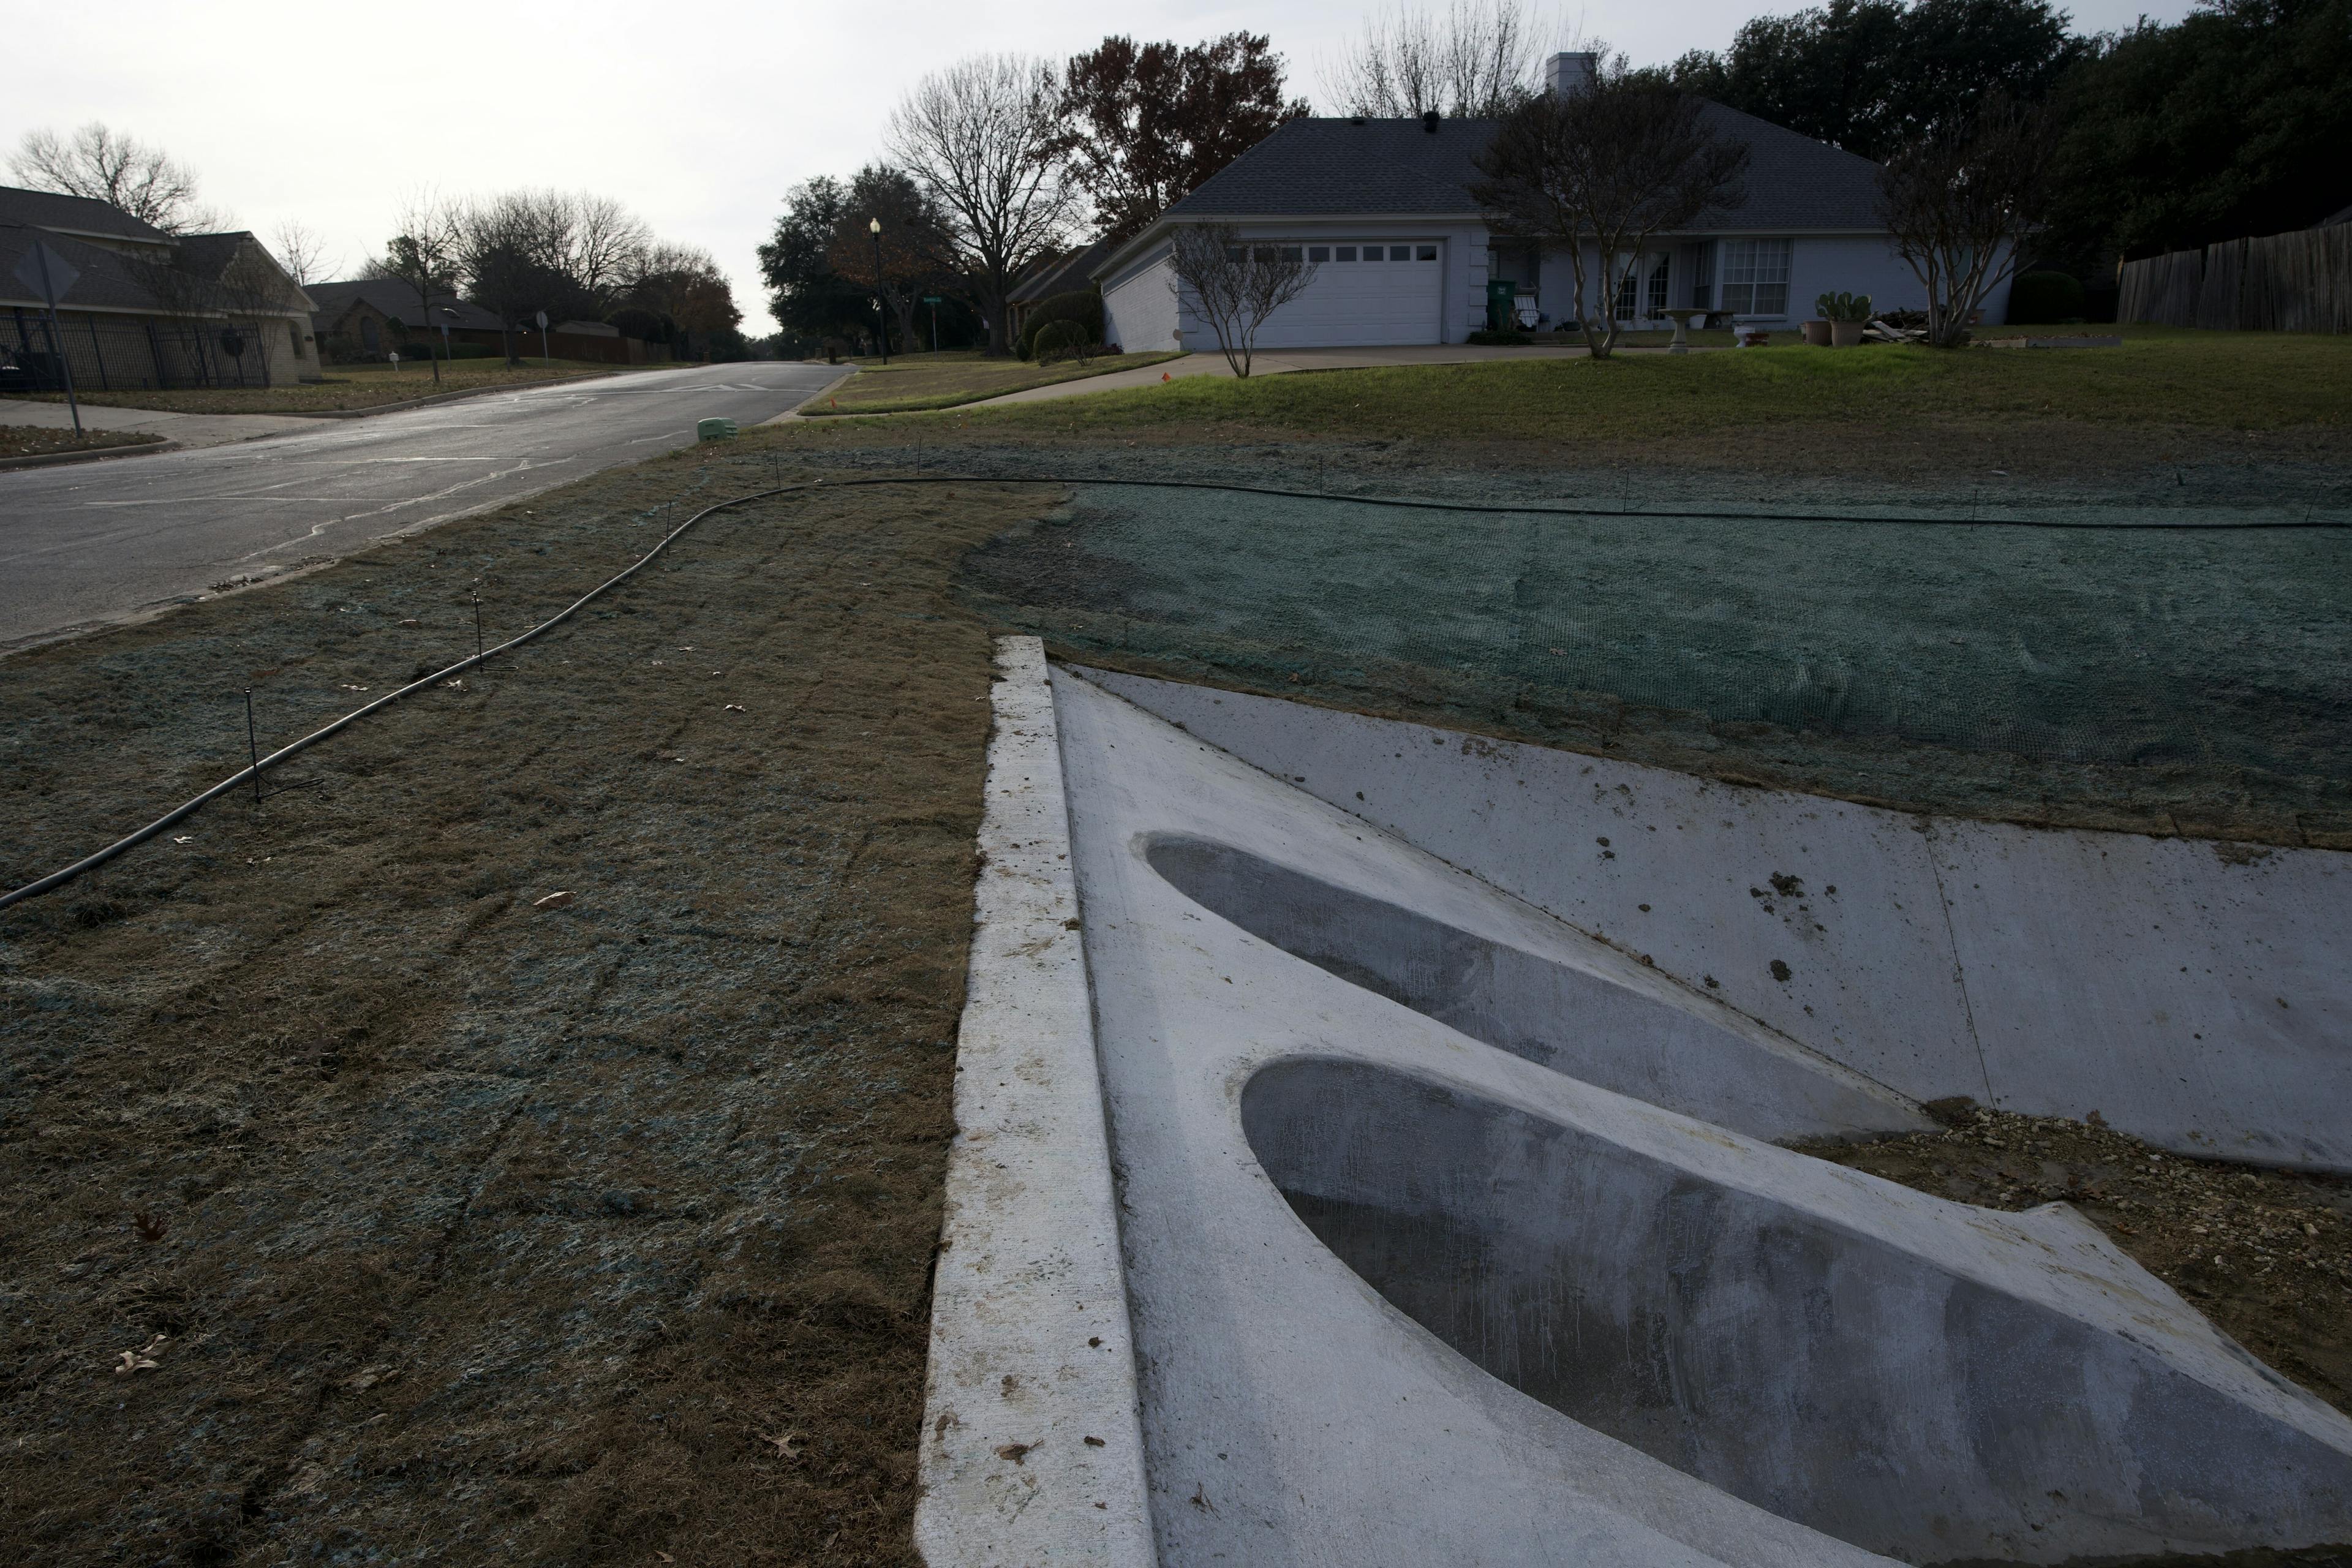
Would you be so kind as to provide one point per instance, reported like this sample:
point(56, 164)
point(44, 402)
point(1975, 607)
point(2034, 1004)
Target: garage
point(1365, 292)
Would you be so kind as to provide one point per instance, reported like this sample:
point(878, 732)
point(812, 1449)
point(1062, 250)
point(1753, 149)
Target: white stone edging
point(1032, 1440)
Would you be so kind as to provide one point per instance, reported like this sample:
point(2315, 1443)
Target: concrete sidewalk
point(187, 429)
point(1272, 361)
point(1281, 362)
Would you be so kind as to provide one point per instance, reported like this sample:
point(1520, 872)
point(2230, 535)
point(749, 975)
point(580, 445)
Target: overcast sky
point(700, 114)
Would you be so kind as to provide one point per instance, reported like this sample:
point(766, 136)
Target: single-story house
point(370, 316)
point(144, 309)
point(367, 317)
point(1067, 274)
point(1404, 255)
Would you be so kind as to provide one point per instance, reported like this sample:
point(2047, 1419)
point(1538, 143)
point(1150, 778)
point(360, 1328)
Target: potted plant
point(1817, 332)
point(1846, 315)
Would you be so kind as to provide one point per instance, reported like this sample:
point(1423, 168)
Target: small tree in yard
point(424, 256)
point(1609, 166)
point(1236, 284)
point(1960, 202)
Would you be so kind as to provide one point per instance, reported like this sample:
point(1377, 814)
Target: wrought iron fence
point(126, 353)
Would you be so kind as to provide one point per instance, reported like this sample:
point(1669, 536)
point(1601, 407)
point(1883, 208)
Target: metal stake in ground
point(253, 745)
point(478, 623)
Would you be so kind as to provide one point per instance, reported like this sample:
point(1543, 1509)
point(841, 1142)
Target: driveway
point(88, 543)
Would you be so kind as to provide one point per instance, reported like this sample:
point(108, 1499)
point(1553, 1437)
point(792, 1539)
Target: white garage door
point(1365, 292)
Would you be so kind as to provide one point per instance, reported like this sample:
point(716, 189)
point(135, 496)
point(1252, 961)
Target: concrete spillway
point(1319, 1202)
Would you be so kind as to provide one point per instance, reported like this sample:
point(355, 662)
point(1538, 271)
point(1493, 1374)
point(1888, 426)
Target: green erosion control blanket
point(2099, 674)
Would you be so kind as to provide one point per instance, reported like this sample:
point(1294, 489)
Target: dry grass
point(39, 440)
point(352, 386)
point(910, 383)
point(456, 1226)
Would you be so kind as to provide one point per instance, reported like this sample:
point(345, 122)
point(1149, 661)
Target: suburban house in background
point(1067, 274)
point(368, 318)
point(144, 309)
point(1404, 255)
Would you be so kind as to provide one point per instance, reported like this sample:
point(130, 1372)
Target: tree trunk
point(991, 291)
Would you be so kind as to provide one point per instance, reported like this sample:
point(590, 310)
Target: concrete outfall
point(1724, 1350)
point(2191, 993)
point(1406, 1287)
point(1031, 1449)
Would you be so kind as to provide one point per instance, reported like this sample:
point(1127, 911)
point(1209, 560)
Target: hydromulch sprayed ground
point(519, 1139)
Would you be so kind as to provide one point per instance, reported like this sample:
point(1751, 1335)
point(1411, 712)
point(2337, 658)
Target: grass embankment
point(598, 1233)
point(916, 382)
point(1738, 402)
point(39, 440)
point(351, 386)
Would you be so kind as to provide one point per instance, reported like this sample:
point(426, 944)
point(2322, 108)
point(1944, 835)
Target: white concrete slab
point(1722, 1316)
point(1031, 1452)
point(2052, 972)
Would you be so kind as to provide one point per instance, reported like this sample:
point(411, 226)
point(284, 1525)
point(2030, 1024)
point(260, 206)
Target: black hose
point(59, 877)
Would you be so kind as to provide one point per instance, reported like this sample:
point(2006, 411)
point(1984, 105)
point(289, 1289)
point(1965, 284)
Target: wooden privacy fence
point(2299, 282)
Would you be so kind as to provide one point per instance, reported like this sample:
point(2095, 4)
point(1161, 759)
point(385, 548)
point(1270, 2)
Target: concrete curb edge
point(1032, 1438)
point(97, 455)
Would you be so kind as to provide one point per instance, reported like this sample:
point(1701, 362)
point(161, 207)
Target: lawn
point(39, 440)
point(349, 387)
point(2215, 382)
point(913, 381)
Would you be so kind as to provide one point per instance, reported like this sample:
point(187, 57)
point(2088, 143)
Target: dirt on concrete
point(519, 1139)
point(2265, 1254)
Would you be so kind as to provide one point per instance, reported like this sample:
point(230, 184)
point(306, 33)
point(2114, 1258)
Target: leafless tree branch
point(126, 173)
point(1608, 168)
point(1960, 202)
point(1475, 59)
point(1236, 284)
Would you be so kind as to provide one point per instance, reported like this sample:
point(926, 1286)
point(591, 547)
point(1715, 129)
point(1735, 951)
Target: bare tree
point(257, 296)
point(982, 138)
point(424, 256)
point(1608, 167)
point(1960, 202)
point(126, 173)
point(605, 246)
point(1236, 284)
point(514, 252)
point(301, 252)
point(1475, 60)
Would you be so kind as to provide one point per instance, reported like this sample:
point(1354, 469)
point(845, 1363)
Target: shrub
point(1489, 338)
point(2039, 298)
point(1058, 340)
point(1082, 306)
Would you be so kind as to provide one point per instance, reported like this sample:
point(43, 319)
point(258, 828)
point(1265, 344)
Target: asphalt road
point(88, 543)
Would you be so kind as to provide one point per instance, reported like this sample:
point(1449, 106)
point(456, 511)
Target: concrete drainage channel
point(1322, 1200)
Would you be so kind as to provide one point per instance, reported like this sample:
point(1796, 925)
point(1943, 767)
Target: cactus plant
point(1843, 307)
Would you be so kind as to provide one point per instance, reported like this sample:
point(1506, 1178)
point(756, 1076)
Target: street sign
point(542, 321)
point(50, 282)
point(933, 299)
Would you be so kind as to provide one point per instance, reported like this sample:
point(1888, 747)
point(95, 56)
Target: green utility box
point(1502, 298)
point(714, 429)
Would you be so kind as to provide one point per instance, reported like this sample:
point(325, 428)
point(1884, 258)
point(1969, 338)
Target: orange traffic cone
point(1163, 376)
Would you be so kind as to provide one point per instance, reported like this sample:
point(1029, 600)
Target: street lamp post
point(874, 226)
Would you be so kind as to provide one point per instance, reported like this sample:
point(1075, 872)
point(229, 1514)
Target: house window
point(1626, 287)
point(1427, 253)
point(1346, 253)
point(1702, 276)
point(1292, 253)
point(1756, 276)
point(294, 336)
point(1658, 288)
point(1399, 253)
point(1319, 253)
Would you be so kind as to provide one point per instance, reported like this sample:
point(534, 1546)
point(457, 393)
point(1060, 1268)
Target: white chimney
point(1570, 74)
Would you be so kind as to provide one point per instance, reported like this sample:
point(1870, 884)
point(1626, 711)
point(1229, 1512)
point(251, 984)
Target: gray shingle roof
point(1067, 275)
point(46, 209)
point(1340, 168)
point(108, 281)
point(393, 297)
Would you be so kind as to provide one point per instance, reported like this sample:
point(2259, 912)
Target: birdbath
point(1681, 319)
